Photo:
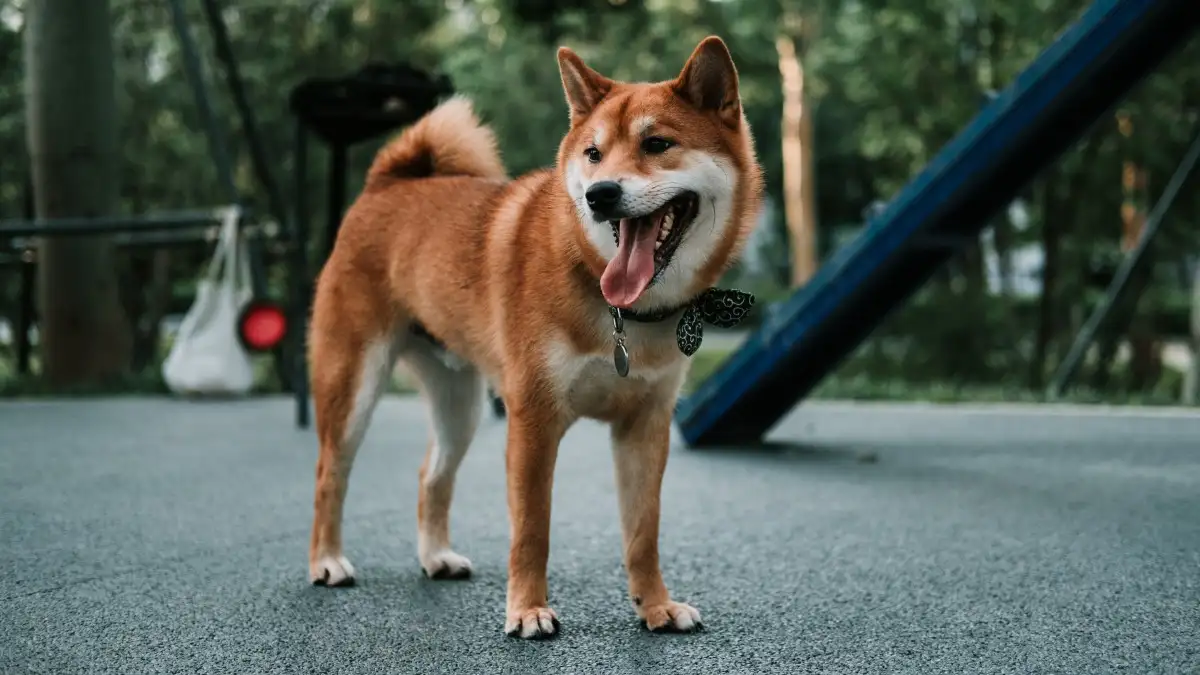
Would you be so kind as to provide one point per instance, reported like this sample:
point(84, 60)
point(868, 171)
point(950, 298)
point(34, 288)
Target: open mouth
point(645, 245)
point(669, 223)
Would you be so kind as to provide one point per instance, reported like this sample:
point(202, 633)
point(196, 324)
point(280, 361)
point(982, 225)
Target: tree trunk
point(1002, 241)
point(1047, 306)
point(1003, 231)
point(799, 197)
point(1145, 355)
point(973, 265)
point(1055, 198)
point(1121, 322)
point(71, 121)
point(1191, 382)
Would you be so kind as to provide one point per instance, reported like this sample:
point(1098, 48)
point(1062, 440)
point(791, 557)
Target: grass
point(864, 388)
point(705, 362)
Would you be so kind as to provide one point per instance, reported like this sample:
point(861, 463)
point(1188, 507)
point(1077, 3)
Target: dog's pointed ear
point(709, 81)
point(584, 87)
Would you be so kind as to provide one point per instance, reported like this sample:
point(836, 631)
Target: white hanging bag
point(207, 358)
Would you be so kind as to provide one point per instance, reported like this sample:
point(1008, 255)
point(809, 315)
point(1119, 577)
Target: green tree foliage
point(891, 82)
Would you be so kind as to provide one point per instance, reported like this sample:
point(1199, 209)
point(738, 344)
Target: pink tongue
point(631, 269)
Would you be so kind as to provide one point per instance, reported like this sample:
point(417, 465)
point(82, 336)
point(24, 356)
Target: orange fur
point(450, 143)
point(505, 274)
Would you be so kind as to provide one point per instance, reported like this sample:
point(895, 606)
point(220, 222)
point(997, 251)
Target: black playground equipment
point(377, 99)
point(191, 227)
point(1121, 275)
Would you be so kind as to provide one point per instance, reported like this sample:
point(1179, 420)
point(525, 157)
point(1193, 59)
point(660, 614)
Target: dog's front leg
point(640, 447)
point(534, 433)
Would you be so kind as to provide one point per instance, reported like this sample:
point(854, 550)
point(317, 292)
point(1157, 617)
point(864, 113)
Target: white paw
point(532, 624)
point(445, 564)
point(671, 616)
point(331, 570)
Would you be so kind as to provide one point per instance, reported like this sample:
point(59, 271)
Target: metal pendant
point(620, 354)
point(621, 358)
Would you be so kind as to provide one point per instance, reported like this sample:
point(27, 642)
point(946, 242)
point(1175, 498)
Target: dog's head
point(663, 176)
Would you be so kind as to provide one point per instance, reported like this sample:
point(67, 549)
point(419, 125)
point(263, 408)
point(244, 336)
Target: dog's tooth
point(658, 244)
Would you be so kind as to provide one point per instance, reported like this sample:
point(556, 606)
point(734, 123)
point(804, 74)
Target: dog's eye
point(656, 145)
point(593, 154)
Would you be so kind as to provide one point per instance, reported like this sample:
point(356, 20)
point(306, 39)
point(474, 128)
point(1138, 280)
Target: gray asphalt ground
point(155, 536)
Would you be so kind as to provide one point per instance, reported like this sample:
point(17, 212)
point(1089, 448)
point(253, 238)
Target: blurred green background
point(886, 85)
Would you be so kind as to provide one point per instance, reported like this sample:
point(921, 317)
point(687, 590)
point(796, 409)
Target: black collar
point(721, 307)
point(650, 315)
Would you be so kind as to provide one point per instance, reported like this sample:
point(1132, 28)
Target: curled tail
point(448, 141)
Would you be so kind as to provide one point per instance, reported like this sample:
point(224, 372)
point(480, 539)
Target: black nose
point(604, 195)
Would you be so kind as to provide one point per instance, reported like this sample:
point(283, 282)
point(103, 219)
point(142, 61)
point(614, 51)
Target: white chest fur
point(589, 385)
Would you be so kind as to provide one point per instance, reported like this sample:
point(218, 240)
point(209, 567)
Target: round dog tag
point(621, 359)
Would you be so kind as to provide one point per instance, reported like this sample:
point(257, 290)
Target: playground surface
point(158, 536)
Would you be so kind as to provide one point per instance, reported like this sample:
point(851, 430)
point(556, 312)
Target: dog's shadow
point(790, 452)
point(435, 623)
point(408, 611)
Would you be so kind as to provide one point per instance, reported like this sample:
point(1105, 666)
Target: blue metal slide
point(1073, 83)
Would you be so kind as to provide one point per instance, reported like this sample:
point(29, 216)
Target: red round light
point(263, 326)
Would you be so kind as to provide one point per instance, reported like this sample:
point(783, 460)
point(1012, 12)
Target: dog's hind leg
point(348, 379)
point(454, 394)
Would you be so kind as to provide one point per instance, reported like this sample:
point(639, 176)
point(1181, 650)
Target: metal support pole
point(87, 227)
point(258, 286)
point(28, 305)
point(1087, 334)
point(25, 316)
point(299, 281)
point(258, 154)
point(337, 193)
point(195, 76)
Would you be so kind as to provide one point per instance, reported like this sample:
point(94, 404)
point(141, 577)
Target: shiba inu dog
point(576, 291)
